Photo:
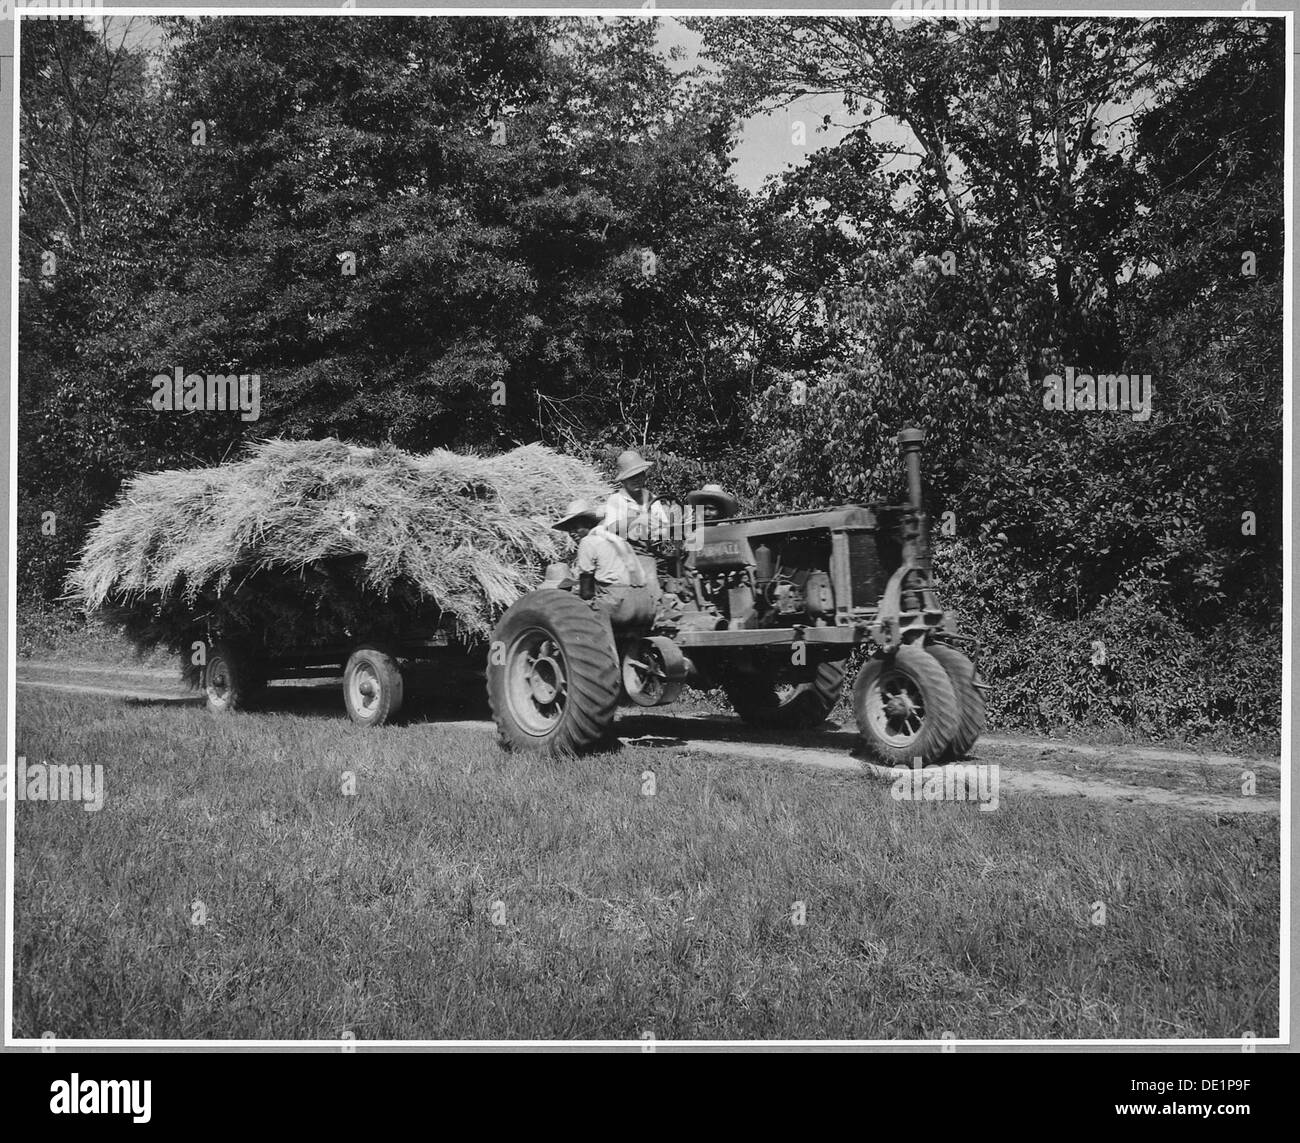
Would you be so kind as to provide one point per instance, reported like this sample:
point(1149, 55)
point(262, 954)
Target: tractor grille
point(864, 570)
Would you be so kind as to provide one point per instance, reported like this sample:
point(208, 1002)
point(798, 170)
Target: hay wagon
point(319, 559)
point(377, 674)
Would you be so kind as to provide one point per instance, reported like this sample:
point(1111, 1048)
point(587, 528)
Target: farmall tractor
point(772, 608)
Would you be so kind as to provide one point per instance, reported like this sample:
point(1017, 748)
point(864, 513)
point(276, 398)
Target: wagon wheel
point(231, 678)
point(372, 686)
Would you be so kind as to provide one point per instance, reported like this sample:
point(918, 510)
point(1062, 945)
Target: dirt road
point(1118, 774)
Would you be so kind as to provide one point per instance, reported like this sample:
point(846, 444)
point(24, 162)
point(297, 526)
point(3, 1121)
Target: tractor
point(771, 609)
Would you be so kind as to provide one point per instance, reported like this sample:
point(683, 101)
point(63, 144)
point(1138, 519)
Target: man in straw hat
point(609, 571)
point(712, 503)
point(631, 510)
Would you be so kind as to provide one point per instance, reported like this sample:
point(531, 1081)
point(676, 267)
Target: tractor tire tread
point(973, 718)
point(594, 676)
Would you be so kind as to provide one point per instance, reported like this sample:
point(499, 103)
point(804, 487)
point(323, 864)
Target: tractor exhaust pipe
point(916, 541)
point(910, 441)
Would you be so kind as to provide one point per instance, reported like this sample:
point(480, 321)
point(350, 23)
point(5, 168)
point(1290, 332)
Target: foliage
point(546, 240)
point(90, 194)
point(1122, 663)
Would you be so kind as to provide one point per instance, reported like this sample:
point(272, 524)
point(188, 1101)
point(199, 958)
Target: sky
point(765, 145)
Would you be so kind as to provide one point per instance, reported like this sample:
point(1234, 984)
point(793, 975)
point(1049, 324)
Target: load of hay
point(302, 544)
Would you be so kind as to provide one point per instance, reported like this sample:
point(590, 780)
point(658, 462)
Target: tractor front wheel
point(553, 675)
point(906, 707)
point(762, 701)
point(971, 718)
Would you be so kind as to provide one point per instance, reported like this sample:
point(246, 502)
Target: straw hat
point(629, 464)
point(726, 504)
point(579, 509)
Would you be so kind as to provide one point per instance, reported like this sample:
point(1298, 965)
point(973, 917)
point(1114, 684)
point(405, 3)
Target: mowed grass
point(462, 892)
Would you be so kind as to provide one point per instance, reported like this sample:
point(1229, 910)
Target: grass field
point(461, 892)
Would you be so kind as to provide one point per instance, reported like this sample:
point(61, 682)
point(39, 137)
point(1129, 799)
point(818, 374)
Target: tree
point(536, 212)
point(88, 190)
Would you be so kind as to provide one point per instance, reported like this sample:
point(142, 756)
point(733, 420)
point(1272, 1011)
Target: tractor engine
point(815, 569)
point(770, 581)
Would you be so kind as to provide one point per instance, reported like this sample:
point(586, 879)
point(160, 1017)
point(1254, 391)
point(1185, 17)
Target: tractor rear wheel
point(905, 706)
point(553, 675)
point(372, 686)
point(763, 701)
point(971, 719)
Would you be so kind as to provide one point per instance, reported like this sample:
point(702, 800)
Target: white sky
point(765, 145)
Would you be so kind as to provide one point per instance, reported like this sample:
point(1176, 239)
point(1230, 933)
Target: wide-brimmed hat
point(629, 464)
point(727, 504)
point(579, 509)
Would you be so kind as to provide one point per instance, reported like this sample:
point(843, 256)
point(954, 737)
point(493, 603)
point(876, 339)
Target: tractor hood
point(729, 544)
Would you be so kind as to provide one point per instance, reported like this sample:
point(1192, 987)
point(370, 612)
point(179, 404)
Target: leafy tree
point(88, 190)
point(1207, 310)
point(537, 210)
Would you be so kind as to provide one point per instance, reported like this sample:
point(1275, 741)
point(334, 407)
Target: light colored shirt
point(610, 559)
point(640, 522)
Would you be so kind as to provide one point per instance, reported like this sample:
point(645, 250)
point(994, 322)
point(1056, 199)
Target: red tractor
point(771, 610)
